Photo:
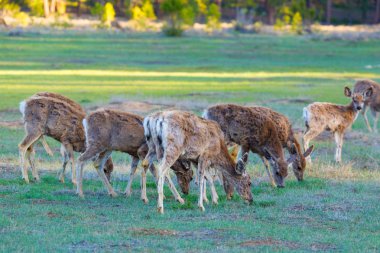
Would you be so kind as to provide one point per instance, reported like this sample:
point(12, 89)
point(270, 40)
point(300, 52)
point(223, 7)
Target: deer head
point(280, 167)
point(298, 161)
point(243, 185)
point(358, 98)
point(184, 175)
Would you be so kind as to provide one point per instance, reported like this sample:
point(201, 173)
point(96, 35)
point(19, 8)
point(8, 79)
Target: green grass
point(334, 209)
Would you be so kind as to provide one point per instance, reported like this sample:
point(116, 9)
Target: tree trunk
point(46, 8)
point(78, 8)
point(328, 11)
point(271, 12)
point(219, 3)
point(52, 6)
point(308, 3)
point(364, 9)
point(377, 12)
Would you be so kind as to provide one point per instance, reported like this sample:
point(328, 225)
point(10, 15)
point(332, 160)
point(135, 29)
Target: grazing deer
point(289, 141)
point(110, 130)
point(334, 118)
point(44, 107)
point(185, 136)
point(372, 102)
point(253, 130)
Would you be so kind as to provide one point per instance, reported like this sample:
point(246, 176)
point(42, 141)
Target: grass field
point(336, 208)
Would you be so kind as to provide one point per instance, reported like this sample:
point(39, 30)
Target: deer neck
point(225, 164)
point(350, 108)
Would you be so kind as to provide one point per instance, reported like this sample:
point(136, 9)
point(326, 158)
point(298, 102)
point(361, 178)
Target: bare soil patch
point(270, 242)
point(154, 231)
point(11, 124)
point(289, 101)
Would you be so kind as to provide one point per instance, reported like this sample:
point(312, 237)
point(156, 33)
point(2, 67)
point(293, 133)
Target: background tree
point(377, 12)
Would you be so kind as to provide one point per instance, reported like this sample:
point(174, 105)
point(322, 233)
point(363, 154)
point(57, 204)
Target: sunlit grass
point(334, 209)
point(110, 73)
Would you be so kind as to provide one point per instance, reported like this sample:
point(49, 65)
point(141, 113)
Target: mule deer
point(253, 130)
point(334, 118)
point(185, 136)
point(44, 107)
point(110, 130)
point(372, 102)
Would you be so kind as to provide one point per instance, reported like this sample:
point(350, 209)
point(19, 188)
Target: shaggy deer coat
point(35, 124)
point(334, 118)
point(373, 102)
point(51, 117)
point(185, 136)
point(253, 130)
point(67, 152)
point(110, 130)
point(288, 141)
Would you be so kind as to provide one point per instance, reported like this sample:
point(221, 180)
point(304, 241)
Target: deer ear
point(240, 166)
point(294, 146)
point(347, 92)
point(308, 151)
point(368, 93)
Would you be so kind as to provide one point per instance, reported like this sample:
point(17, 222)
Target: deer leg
point(70, 151)
point(375, 120)
point(364, 113)
point(214, 194)
point(308, 136)
point(339, 143)
point(23, 147)
point(163, 169)
point(79, 172)
point(90, 154)
point(65, 160)
point(30, 154)
point(144, 196)
point(201, 175)
point(267, 165)
point(134, 164)
point(172, 188)
point(100, 169)
point(196, 179)
point(205, 199)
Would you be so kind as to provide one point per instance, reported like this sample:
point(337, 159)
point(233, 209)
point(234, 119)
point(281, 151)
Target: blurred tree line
point(185, 12)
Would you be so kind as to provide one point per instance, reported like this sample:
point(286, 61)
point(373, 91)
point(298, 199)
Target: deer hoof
point(113, 194)
point(145, 200)
point(160, 210)
point(180, 200)
point(202, 208)
point(127, 193)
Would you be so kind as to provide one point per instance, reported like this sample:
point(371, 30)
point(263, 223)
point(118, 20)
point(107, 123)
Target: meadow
point(335, 209)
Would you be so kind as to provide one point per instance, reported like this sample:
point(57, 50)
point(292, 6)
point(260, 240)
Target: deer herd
point(176, 140)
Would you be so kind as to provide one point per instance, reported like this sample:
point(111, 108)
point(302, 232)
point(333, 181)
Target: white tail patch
point(22, 108)
point(306, 114)
point(84, 122)
point(205, 114)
